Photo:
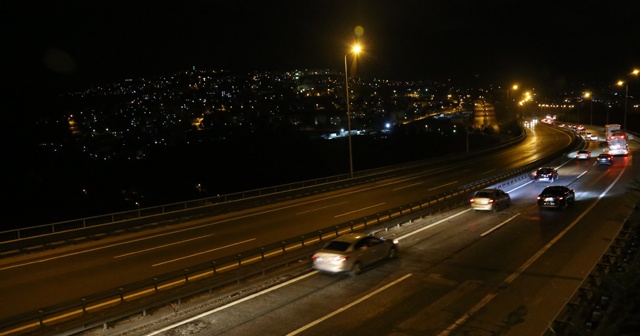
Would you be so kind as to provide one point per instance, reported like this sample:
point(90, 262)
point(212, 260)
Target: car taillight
point(472, 200)
point(491, 200)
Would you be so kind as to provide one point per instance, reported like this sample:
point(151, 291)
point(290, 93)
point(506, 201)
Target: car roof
point(350, 237)
point(554, 188)
point(546, 168)
point(489, 189)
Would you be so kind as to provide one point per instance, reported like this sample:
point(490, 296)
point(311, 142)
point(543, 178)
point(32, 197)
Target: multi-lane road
point(462, 262)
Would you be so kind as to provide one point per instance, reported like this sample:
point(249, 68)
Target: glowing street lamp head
point(635, 72)
point(620, 83)
point(356, 49)
point(515, 87)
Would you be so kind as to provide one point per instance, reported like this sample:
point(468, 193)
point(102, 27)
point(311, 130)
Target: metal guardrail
point(11, 239)
point(91, 311)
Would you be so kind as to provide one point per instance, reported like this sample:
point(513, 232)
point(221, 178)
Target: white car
point(350, 253)
point(490, 199)
point(583, 155)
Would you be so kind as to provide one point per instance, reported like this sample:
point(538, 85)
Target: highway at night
point(515, 260)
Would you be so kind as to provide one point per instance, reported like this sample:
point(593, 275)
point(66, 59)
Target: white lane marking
point(361, 209)
point(161, 246)
point(203, 252)
point(407, 186)
point(206, 225)
point(432, 225)
point(321, 208)
point(579, 176)
point(444, 185)
point(528, 263)
point(336, 312)
point(499, 225)
point(231, 304)
point(93, 249)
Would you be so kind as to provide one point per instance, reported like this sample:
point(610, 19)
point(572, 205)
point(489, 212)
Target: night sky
point(56, 46)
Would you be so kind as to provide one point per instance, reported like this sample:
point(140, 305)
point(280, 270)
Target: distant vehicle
point(583, 155)
point(545, 174)
point(352, 252)
point(594, 137)
point(605, 159)
point(556, 197)
point(588, 135)
point(617, 143)
point(490, 199)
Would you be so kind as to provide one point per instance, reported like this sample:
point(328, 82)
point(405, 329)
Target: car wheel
point(355, 269)
point(393, 253)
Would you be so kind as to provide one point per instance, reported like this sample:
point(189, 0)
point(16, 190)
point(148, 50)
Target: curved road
point(70, 273)
point(460, 273)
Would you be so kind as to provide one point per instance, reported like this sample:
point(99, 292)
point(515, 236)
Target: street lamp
point(356, 49)
point(626, 98)
point(588, 96)
point(513, 88)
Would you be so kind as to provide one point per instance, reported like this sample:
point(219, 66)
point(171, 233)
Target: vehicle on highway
point(583, 155)
point(556, 197)
point(545, 174)
point(350, 253)
point(605, 159)
point(490, 199)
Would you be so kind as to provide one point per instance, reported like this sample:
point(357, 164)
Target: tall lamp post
point(513, 88)
point(626, 98)
point(588, 96)
point(356, 49)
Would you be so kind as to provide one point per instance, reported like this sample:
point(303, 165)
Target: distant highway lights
point(355, 50)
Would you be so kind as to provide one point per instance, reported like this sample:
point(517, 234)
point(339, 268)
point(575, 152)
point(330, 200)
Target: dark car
point(352, 252)
point(545, 174)
point(556, 197)
point(605, 159)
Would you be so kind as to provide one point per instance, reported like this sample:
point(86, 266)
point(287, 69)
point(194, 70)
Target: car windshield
point(483, 194)
point(553, 191)
point(337, 246)
point(545, 170)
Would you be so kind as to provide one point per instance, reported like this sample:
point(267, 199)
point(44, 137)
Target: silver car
point(490, 199)
point(352, 252)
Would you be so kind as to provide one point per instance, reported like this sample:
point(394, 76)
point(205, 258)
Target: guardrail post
point(84, 305)
point(121, 290)
point(302, 241)
point(155, 284)
point(186, 274)
point(213, 265)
